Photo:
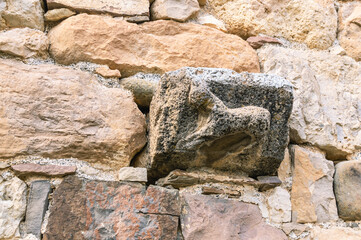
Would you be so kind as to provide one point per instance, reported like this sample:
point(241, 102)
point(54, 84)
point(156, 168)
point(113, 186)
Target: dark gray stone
point(37, 205)
point(217, 118)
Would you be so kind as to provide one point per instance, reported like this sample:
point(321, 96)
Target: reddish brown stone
point(259, 41)
point(112, 210)
point(45, 170)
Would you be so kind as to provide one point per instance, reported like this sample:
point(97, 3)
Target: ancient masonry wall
point(180, 119)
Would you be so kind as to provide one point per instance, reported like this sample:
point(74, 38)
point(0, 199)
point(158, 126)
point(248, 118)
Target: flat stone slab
point(132, 174)
point(45, 170)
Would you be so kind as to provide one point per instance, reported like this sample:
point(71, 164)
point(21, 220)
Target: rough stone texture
point(37, 206)
point(21, 13)
point(112, 7)
point(204, 18)
point(347, 182)
point(335, 233)
point(350, 28)
point(178, 10)
point(217, 118)
point(259, 41)
point(61, 113)
point(325, 85)
point(284, 172)
point(24, 42)
point(132, 174)
point(143, 87)
point(46, 170)
point(312, 194)
point(157, 46)
point(279, 205)
point(105, 71)
point(112, 210)
point(12, 206)
point(313, 22)
point(58, 14)
point(206, 217)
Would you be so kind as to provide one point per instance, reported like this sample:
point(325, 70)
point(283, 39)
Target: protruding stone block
point(132, 174)
point(45, 170)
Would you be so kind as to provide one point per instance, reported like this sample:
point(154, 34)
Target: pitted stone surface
point(217, 118)
point(112, 210)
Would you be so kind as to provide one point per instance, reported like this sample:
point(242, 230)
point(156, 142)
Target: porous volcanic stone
point(217, 118)
point(112, 210)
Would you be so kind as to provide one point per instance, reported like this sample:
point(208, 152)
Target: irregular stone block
point(219, 119)
point(151, 47)
point(204, 18)
point(107, 72)
point(132, 174)
point(312, 194)
point(350, 28)
point(279, 205)
point(259, 41)
point(206, 217)
point(59, 112)
point(308, 21)
point(112, 7)
point(24, 42)
point(325, 85)
point(335, 233)
point(58, 14)
point(112, 210)
point(46, 170)
point(37, 205)
point(347, 185)
point(12, 206)
point(178, 10)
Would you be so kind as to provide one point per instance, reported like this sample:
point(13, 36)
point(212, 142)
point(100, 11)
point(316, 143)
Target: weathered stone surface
point(312, 22)
point(259, 41)
point(12, 206)
point(58, 14)
point(284, 172)
point(132, 174)
point(347, 184)
point(204, 18)
point(46, 170)
point(325, 85)
point(206, 217)
point(217, 118)
point(24, 42)
point(350, 28)
point(112, 210)
point(179, 10)
point(4, 165)
point(21, 13)
point(105, 71)
point(157, 46)
point(335, 233)
point(279, 205)
point(312, 194)
point(61, 113)
point(112, 7)
point(37, 205)
point(142, 86)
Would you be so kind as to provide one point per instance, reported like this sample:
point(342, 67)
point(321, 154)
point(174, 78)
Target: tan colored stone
point(325, 85)
point(132, 174)
point(112, 7)
point(21, 13)
point(179, 10)
point(106, 72)
point(58, 112)
point(12, 206)
point(204, 18)
point(335, 233)
point(284, 171)
point(47, 170)
point(313, 22)
point(157, 46)
point(350, 28)
point(279, 205)
point(58, 14)
point(259, 41)
point(24, 42)
point(312, 194)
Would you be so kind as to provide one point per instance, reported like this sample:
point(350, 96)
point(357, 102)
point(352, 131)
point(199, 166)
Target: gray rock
point(217, 118)
point(37, 205)
point(347, 185)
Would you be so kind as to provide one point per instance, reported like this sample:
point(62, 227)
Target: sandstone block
point(335, 233)
point(106, 72)
point(58, 14)
point(132, 174)
point(259, 41)
point(217, 118)
point(325, 85)
point(111, 210)
point(347, 184)
point(62, 113)
point(207, 217)
point(312, 22)
point(178, 10)
point(204, 18)
point(157, 46)
point(312, 194)
point(45, 170)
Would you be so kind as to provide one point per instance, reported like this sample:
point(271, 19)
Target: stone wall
point(180, 119)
